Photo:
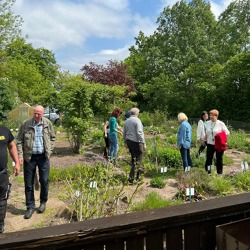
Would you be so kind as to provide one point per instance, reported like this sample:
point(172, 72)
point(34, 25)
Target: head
point(38, 113)
point(127, 114)
point(213, 114)
point(116, 113)
point(182, 117)
point(204, 116)
point(134, 111)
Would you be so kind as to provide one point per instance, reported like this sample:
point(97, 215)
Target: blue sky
point(81, 31)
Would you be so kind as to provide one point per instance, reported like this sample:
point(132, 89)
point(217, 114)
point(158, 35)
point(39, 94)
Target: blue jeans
point(113, 147)
point(29, 175)
point(186, 159)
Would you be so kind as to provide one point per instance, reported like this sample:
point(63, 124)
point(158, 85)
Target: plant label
point(187, 169)
point(190, 191)
point(13, 164)
point(209, 168)
point(164, 169)
point(244, 165)
point(77, 193)
point(93, 184)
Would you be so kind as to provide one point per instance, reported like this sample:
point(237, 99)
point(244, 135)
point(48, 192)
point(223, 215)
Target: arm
point(200, 129)
point(14, 155)
point(105, 128)
point(52, 137)
point(19, 144)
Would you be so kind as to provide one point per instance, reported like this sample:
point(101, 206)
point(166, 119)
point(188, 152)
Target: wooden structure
point(22, 112)
point(189, 226)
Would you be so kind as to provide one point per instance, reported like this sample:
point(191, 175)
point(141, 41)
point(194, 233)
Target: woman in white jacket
point(201, 131)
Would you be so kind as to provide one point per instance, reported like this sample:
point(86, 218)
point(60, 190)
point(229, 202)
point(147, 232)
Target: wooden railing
point(189, 226)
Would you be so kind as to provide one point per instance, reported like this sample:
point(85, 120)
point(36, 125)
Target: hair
point(202, 114)
point(134, 111)
point(182, 117)
point(214, 112)
point(116, 112)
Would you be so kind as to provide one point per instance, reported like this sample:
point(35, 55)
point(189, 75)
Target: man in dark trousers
point(133, 136)
point(35, 142)
point(6, 143)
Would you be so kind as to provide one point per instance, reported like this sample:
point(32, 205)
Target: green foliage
point(239, 140)
point(221, 185)
point(146, 119)
point(171, 157)
point(242, 181)
point(157, 182)
point(153, 200)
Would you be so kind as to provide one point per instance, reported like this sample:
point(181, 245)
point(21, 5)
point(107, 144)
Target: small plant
point(153, 200)
point(242, 181)
point(221, 186)
point(158, 182)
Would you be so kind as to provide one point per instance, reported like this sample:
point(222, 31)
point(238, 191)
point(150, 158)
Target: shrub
point(153, 200)
point(221, 186)
point(158, 182)
point(171, 157)
point(242, 181)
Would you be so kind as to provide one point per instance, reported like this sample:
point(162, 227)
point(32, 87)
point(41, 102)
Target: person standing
point(106, 139)
point(35, 142)
point(214, 126)
point(6, 144)
point(201, 131)
point(133, 136)
point(184, 139)
point(114, 130)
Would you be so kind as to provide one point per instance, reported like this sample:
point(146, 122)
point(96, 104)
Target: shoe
point(42, 207)
point(28, 213)
point(130, 181)
point(1, 227)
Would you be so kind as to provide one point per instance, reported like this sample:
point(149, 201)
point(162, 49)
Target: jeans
point(209, 159)
point(43, 164)
point(136, 159)
point(113, 147)
point(186, 159)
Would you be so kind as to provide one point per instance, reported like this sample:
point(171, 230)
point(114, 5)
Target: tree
point(113, 74)
point(80, 100)
point(232, 30)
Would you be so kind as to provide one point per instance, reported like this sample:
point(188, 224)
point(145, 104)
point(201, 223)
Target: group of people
point(207, 132)
point(133, 136)
point(35, 142)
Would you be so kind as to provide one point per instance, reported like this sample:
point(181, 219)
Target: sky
point(82, 31)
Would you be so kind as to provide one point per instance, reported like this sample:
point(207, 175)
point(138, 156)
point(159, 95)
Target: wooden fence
point(189, 226)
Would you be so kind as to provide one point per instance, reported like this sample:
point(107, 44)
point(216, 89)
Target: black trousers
point(136, 159)
point(4, 183)
point(209, 159)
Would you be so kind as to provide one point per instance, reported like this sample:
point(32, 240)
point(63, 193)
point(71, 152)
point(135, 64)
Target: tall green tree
point(233, 30)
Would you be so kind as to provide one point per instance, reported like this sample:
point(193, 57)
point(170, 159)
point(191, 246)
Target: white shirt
point(201, 130)
point(213, 128)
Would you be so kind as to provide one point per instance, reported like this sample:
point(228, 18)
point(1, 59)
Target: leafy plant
point(221, 186)
point(153, 200)
point(242, 181)
point(158, 182)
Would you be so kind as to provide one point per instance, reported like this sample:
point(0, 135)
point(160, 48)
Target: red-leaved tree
point(114, 73)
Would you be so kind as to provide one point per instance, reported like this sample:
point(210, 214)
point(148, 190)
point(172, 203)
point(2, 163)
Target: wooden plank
point(135, 243)
point(115, 245)
point(102, 230)
point(192, 237)
point(174, 239)
point(154, 240)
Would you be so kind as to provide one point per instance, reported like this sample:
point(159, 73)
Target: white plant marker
point(187, 169)
point(77, 193)
point(164, 169)
point(209, 168)
point(244, 165)
point(13, 164)
point(190, 193)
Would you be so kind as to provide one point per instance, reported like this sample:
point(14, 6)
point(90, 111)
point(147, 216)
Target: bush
point(153, 200)
point(158, 182)
point(242, 181)
point(171, 157)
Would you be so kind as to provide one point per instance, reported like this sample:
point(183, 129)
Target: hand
point(21, 160)
point(16, 169)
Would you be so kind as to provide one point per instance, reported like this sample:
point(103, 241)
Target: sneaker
point(28, 213)
point(42, 207)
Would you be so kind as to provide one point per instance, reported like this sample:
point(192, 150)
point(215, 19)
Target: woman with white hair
point(184, 138)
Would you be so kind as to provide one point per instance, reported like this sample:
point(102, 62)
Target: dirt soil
point(57, 211)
